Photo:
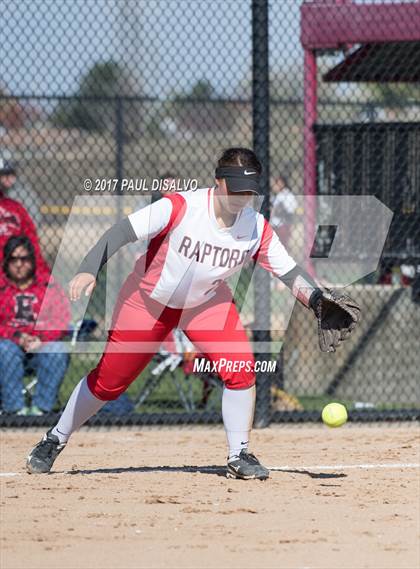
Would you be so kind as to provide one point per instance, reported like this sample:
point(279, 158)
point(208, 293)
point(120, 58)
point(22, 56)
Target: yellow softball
point(334, 414)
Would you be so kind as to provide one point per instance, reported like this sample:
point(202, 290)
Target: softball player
point(196, 240)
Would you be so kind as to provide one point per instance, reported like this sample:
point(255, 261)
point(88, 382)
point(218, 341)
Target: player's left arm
point(337, 313)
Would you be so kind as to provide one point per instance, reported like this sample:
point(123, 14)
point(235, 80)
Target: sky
point(166, 45)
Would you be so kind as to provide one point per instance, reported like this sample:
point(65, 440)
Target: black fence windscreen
point(95, 95)
point(380, 160)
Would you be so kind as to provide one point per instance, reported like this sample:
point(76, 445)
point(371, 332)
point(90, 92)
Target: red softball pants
point(140, 325)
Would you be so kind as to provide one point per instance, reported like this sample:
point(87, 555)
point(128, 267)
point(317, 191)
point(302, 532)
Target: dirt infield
point(124, 499)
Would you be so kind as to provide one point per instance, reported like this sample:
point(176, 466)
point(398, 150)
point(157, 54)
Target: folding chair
point(166, 363)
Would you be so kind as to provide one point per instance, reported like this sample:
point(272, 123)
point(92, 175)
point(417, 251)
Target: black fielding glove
point(337, 315)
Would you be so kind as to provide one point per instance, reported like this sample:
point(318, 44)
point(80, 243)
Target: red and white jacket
point(19, 310)
point(14, 222)
point(189, 256)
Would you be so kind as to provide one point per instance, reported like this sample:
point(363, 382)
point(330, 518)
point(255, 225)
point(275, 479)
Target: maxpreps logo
point(202, 365)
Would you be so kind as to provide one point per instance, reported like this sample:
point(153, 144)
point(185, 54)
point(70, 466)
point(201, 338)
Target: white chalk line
point(5, 474)
point(400, 465)
point(347, 466)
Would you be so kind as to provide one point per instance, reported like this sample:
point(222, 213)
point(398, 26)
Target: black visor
point(239, 178)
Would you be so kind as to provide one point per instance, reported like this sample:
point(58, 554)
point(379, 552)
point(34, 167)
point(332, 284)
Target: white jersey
point(189, 255)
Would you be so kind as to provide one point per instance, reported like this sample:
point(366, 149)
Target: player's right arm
point(141, 225)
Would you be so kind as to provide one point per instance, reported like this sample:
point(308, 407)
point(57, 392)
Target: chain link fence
point(118, 90)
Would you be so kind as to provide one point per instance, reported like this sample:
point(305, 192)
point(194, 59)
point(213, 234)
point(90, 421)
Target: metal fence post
point(119, 140)
point(260, 117)
point(119, 170)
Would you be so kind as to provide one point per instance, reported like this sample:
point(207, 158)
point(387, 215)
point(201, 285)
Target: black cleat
point(247, 467)
point(42, 456)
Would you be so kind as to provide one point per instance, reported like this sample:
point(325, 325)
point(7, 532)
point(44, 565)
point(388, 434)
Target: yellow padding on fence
point(84, 210)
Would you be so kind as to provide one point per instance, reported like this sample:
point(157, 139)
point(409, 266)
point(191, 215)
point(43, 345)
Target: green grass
point(318, 402)
point(165, 397)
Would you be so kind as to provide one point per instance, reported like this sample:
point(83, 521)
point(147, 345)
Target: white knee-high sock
point(80, 407)
point(238, 406)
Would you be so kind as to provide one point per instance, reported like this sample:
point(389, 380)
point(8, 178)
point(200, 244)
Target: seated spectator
point(21, 295)
point(14, 219)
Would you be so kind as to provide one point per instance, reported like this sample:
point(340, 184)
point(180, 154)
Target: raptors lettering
point(217, 256)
